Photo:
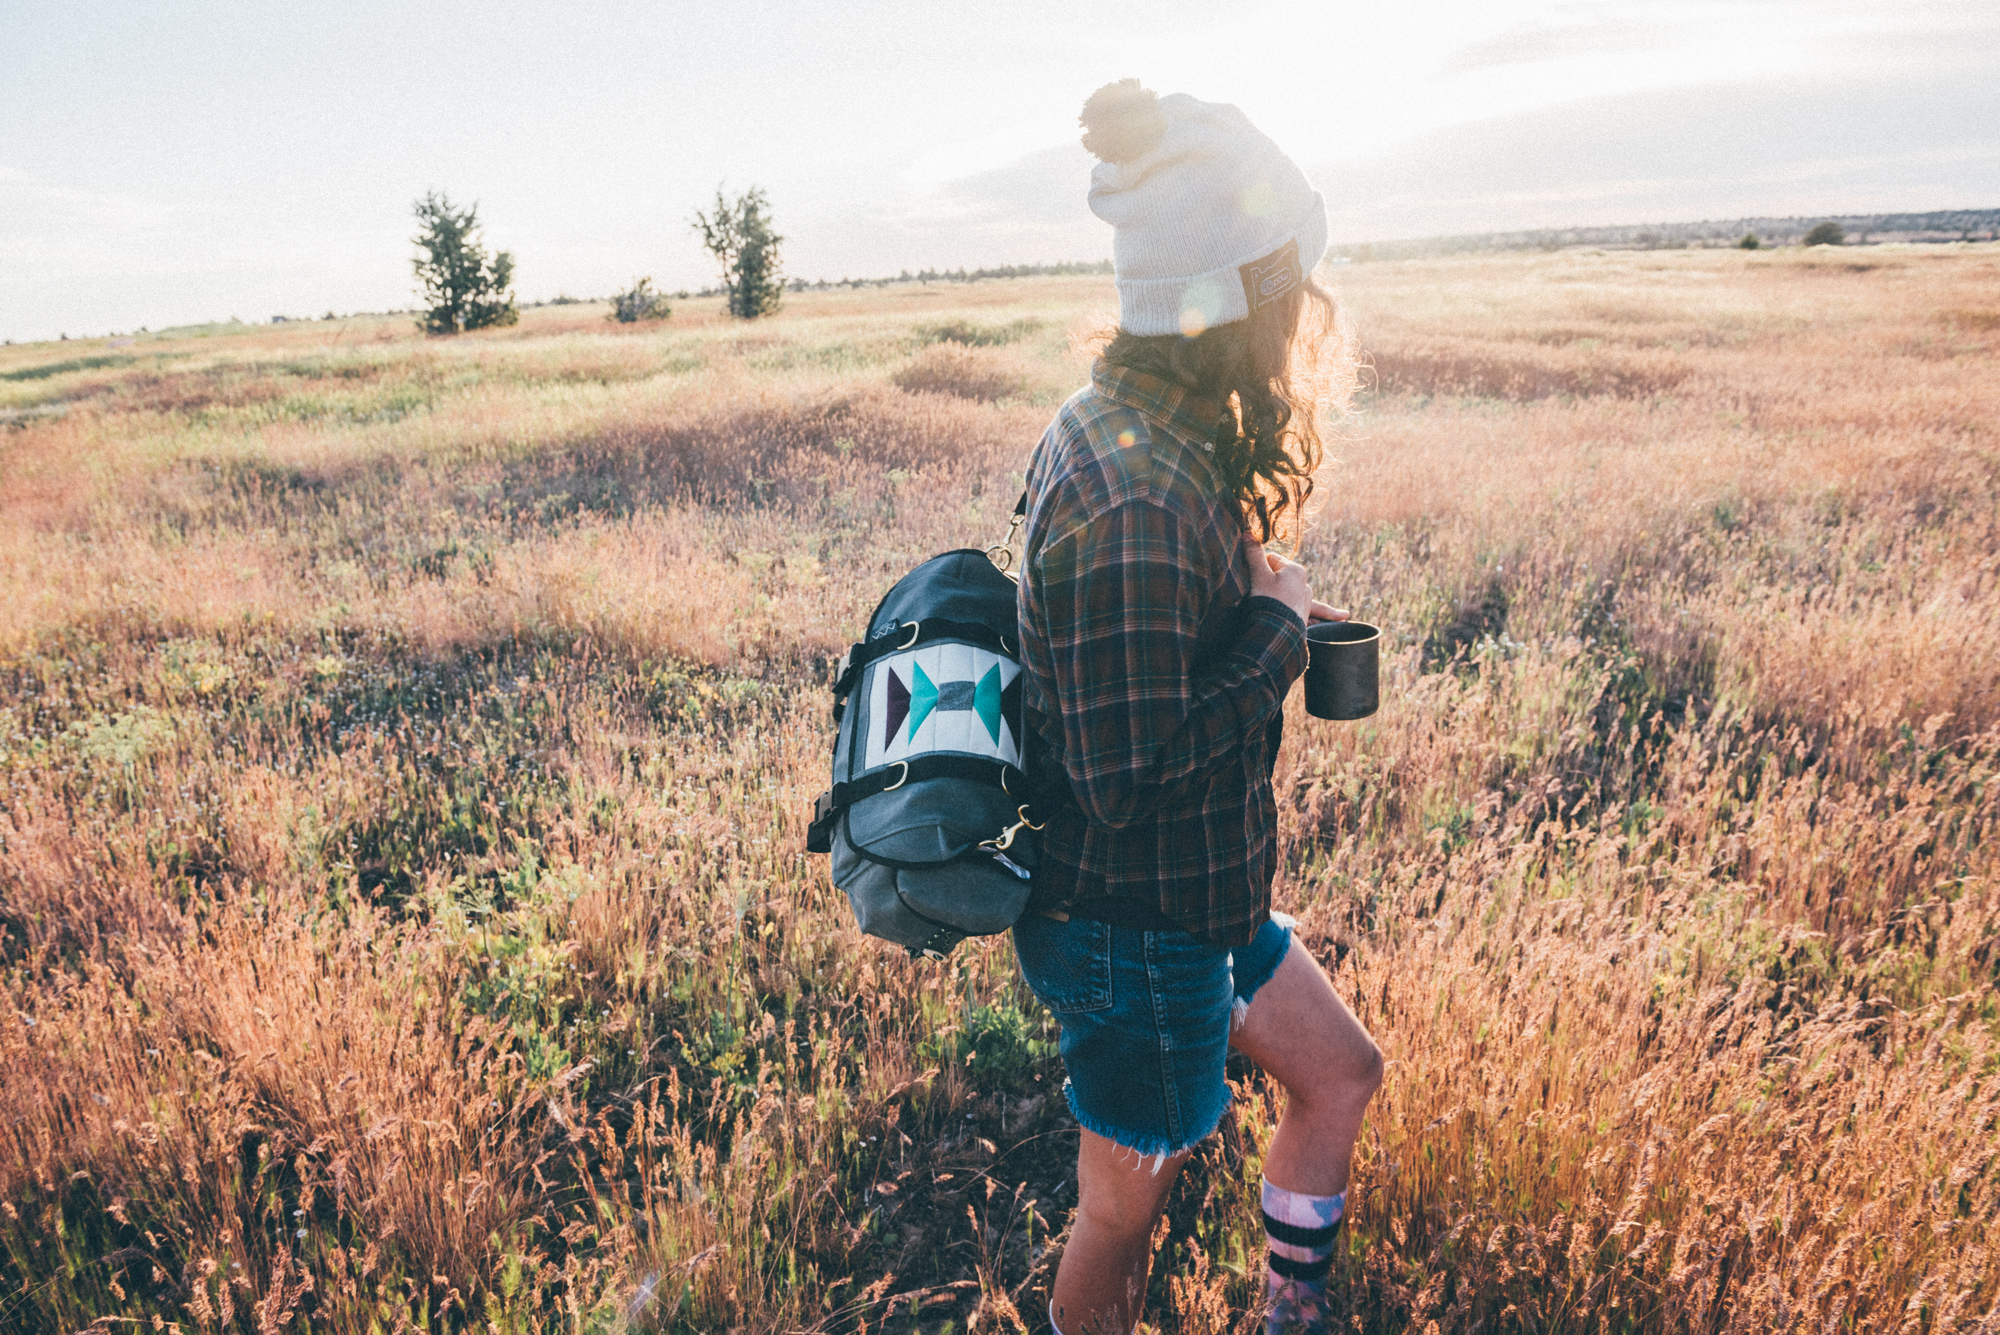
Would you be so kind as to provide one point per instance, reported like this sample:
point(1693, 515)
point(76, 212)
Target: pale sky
point(176, 161)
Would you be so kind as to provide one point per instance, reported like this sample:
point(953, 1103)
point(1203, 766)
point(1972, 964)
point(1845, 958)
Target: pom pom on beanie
point(1122, 121)
point(1210, 220)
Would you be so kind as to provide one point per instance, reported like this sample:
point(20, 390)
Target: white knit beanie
point(1209, 219)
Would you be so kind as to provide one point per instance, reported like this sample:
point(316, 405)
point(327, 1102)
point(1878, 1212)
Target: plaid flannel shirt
point(1153, 679)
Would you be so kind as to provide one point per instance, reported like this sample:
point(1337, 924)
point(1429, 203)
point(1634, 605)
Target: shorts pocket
point(1068, 964)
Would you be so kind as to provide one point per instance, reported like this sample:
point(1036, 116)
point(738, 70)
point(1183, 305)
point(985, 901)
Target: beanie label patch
point(1269, 279)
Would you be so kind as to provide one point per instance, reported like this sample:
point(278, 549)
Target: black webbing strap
point(828, 806)
point(909, 635)
point(994, 773)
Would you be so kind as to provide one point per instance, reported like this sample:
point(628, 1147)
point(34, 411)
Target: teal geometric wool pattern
point(986, 701)
point(915, 702)
point(923, 698)
point(943, 698)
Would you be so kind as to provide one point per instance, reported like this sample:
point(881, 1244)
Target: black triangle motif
point(899, 708)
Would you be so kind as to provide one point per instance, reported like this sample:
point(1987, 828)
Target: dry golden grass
point(404, 749)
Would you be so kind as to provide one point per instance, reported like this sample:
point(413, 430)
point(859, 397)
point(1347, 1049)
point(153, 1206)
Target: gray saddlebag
point(926, 818)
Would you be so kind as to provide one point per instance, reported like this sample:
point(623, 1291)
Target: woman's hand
point(1273, 576)
point(1328, 612)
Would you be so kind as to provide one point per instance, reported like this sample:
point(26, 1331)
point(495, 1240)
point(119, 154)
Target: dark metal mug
point(1344, 670)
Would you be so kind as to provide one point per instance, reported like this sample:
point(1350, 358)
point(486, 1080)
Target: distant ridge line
point(1943, 225)
point(1065, 269)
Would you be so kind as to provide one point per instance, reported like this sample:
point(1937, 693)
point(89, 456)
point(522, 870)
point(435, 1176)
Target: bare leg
point(1302, 1034)
point(1101, 1282)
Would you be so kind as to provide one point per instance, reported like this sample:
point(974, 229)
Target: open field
point(405, 748)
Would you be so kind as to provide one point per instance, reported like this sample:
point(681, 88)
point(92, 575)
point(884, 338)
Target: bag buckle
point(819, 834)
point(1005, 839)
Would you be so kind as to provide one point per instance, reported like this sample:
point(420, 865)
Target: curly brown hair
point(1270, 376)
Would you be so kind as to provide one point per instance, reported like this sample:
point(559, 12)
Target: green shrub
point(738, 233)
point(1826, 234)
point(1002, 1045)
point(639, 302)
point(979, 335)
point(462, 288)
point(1749, 242)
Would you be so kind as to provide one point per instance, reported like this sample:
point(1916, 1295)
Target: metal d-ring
point(901, 779)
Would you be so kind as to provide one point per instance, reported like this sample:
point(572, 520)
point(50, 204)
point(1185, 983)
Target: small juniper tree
point(462, 287)
point(738, 233)
point(1826, 234)
point(1749, 242)
point(639, 302)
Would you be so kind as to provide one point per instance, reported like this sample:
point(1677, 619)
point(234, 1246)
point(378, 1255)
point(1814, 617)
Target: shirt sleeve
point(1145, 719)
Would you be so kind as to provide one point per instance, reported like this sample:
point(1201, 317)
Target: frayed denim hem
point(1239, 1010)
point(1155, 1148)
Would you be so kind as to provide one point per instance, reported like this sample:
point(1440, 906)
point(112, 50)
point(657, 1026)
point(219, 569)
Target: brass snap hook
point(1005, 840)
point(1005, 548)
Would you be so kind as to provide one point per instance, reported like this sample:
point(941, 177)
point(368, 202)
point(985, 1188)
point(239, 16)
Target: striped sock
point(1301, 1230)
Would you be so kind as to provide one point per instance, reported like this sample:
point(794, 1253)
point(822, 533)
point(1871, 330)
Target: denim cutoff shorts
point(1145, 1019)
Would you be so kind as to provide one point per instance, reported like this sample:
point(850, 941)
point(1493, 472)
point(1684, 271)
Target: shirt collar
point(1187, 418)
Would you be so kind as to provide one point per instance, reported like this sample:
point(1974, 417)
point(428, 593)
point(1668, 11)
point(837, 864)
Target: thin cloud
point(1045, 187)
point(1717, 150)
point(1030, 211)
point(1537, 42)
